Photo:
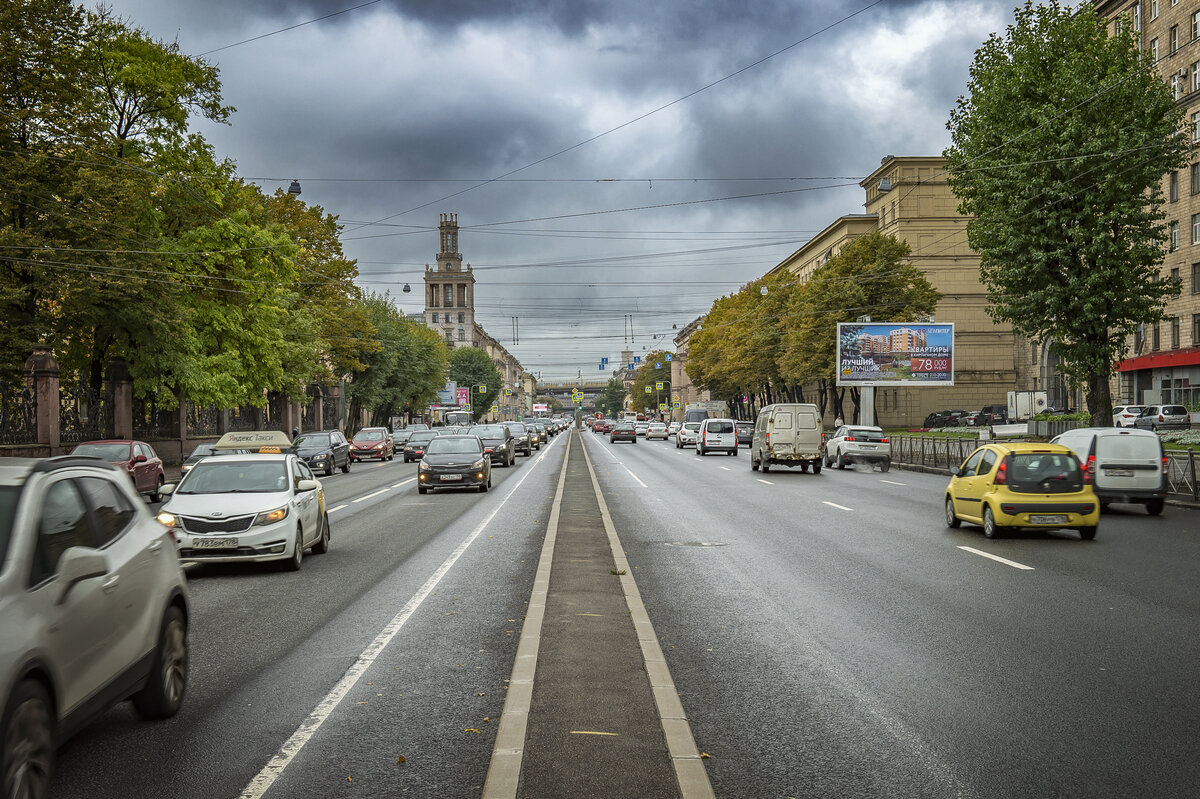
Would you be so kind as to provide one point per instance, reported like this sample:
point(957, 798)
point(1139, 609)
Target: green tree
point(471, 366)
point(613, 399)
point(655, 369)
point(1058, 154)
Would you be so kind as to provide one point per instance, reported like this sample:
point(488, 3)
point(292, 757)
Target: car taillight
point(1160, 418)
point(883, 441)
point(1164, 471)
point(1089, 471)
point(851, 438)
point(1002, 472)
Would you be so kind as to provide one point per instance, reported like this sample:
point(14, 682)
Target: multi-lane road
point(827, 634)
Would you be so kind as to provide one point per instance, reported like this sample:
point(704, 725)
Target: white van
point(788, 434)
point(1125, 465)
point(716, 434)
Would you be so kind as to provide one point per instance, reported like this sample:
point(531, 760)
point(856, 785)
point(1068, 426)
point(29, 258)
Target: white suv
point(93, 609)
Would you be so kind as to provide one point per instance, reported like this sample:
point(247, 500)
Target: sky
point(615, 165)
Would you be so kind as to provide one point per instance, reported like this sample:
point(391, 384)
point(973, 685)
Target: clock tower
point(450, 290)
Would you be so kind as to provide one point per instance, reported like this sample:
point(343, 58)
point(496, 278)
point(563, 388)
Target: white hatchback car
point(656, 430)
point(685, 436)
point(1123, 415)
point(257, 507)
point(93, 610)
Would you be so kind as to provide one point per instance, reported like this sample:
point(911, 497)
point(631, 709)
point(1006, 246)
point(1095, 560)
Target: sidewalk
point(587, 721)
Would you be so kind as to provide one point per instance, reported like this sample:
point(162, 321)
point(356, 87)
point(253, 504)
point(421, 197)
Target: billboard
point(895, 354)
point(462, 396)
point(540, 407)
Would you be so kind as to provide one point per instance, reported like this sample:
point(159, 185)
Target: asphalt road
point(827, 633)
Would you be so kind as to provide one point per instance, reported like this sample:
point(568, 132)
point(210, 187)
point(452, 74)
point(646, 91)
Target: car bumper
point(1048, 515)
point(270, 542)
point(869, 455)
point(368, 454)
point(457, 478)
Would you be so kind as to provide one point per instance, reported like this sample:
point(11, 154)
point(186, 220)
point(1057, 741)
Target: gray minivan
point(1125, 465)
point(788, 434)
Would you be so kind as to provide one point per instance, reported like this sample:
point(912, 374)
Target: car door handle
point(111, 583)
point(154, 545)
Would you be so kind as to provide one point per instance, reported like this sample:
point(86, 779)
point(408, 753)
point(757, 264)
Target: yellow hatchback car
point(1022, 485)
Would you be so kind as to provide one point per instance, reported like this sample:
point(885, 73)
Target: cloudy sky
point(609, 160)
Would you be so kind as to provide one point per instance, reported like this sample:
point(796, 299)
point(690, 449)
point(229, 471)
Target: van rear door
point(782, 429)
point(1128, 462)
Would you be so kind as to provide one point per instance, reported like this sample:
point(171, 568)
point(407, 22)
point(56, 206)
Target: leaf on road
point(471, 729)
point(479, 694)
point(705, 756)
point(401, 759)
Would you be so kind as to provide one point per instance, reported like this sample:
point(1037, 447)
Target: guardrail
point(933, 452)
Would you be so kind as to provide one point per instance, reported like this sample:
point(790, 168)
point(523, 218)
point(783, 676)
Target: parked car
point(623, 431)
point(1123, 465)
point(717, 434)
point(93, 610)
point(1022, 485)
point(745, 432)
point(248, 508)
point(455, 462)
point(1163, 417)
point(497, 443)
point(204, 451)
point(858, 444)
point(136, 458)
point(372, 442)
point(656, 430)
point(939, 419)
point(993, 414)
point(686, 435)
point(324, 451)
point(520, 434)
point(414, 448)
point(1124, 415)
point(788, 434)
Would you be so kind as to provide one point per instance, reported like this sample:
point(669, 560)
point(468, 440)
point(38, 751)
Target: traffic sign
point(658, 365)
point(667, 355)
point(675, 404)
point(658, 385)
point(637, 359)
point(604, 361)
point(647, 389)
point(508, 392)
point(662, 406)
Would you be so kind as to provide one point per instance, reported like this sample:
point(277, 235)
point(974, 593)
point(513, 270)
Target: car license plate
point(215, 543)
point(1118, 472)
point(451, 476)
point(1053, 518)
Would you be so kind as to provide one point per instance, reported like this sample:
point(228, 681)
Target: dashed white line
point(339, 507)
point(726, 468)
point(997, 558)
point(634, 476)
point(405, 482)
point(767, 482)
point(835, 505)
point(369, 496)
point(893, 482)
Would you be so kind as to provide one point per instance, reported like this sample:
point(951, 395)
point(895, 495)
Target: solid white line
point(835, 505)
point(998, 559)
point(634, 476)
point(404, 482)
point(893, 482)
point(768, 482)
point(263, 781)
point(368, 496)
point(339, 507)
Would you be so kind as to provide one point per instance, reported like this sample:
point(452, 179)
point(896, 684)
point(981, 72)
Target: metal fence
point(151, 422)
point(1181, 473)
point(18, 414)
point(84, 414)
point(203, 421)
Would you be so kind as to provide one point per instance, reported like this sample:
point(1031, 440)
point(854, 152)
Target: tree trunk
point(1099, 400)
point(856, 402)
point(822, 396)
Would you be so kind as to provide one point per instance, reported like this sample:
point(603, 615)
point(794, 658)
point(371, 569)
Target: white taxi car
point(262, 506)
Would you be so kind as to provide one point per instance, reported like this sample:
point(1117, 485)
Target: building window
point(1173, 39)
point(1196, 328)
point(1196, 26)
point(1196, 278)
point(1174, 334)
point(1173, 187)
point(1153, 9)
point(1195, 228)
point(1154, 50)
point(462, 295)
point(462, 317)
point(449, 290)
point(1175, 277)
point(1155, 338)
point(435, 318)
point(1196, 77)
point(1176, 86)
point(461, 334)
point(1174, 231)
point(1137, 17)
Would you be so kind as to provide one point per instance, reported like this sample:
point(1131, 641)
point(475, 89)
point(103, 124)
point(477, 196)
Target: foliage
point(1058, 153)
point(613, 399)
point(471, 366)
point(655, 368)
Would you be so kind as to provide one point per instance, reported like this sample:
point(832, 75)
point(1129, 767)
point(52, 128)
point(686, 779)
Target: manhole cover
point(696, 544)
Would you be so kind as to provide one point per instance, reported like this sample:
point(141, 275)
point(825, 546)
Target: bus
point(456, 418)
point(630, 416)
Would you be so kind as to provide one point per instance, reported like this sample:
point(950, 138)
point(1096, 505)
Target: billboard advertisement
point(540, 407)
point(895, 354)
point(463, 395)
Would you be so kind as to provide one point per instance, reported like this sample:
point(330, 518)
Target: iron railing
point(203, 421)
point(1181, 474)
point(84, 414)
point(152, 423)
point(18, 414)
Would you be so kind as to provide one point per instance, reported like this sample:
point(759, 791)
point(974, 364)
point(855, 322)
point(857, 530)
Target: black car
point(993, 414)
point(400, 437)
point(520, 433)
point(497, 442)
point(623, 432)
point(323, 451)
point(945, 419)
point(204, 451)
point(745, 432)
point(455, 462)
point(414, 448)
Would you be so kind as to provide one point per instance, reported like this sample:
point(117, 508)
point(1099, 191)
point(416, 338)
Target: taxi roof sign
point(262, 441)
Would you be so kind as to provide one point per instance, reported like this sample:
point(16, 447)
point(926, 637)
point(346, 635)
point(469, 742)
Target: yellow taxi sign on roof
point(264, 441)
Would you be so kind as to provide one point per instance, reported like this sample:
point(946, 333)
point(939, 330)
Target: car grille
point(236, 525)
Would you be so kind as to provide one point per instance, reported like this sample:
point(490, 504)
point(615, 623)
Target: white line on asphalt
point(835, 505)
point(634, 476)
point(998, 559)
point(893, 482)
point(726, 468)
point(368, 496)
point(339, 507)
point(405, 482)
point(263, 781)
point(768, 482)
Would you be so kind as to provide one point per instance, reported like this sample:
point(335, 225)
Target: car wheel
point(1154, 428)
point(951, 519)
point(700, 451)
point(163, 692)
point(886, 465)
point(329, 468)
point(840, 460)
point(346, 467)
point(322, 545)
point(764, 464)
point(816, 468)
point(989, 523)
point(1154, 506)
point(156, 495)
point(1087, 533)
point(28, 730)
point(733, 452)
point(294, 563)
point(753, 463)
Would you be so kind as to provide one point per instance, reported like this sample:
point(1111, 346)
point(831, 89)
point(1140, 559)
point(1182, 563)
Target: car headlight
point(423, 466)
point(270, 516)
point(168, 520)
point(477, 464)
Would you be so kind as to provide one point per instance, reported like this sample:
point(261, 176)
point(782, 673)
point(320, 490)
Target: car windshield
point(221, 476)
point(202, 450)
point(421, 437)
point(369, 435)
point(487, 431)
point(312, 440)
point(8, 509)
point(517, 429)
point(458, 445)
point(109, 452)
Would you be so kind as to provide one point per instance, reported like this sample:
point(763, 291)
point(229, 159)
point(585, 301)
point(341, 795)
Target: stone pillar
point(297, 416)
point(337, 395)
point(41, 374)
point(119, 380)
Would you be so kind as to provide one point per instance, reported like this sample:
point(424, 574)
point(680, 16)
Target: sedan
point(673, 428)
point(414, 449)
point(1124, 415)
point(455, 462)
point(135, 458)
point(745, 432)
point(623, 431)
point(641, 428)
point(204, 451)
point(656, 430)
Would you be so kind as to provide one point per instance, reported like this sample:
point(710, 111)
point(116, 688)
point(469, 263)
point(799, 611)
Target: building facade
point(681, 385)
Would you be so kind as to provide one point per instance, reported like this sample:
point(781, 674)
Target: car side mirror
point(78, 564)
point(139, 459)
point(166, 489)
point(307, 485)
point(954, 470)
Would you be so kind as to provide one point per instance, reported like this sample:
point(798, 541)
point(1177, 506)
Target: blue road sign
point(637, 359)
point(667, 355)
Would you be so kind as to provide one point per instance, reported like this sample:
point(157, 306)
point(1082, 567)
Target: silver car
point(1163, 417)
point(686, 435)
point(256, 507)
point(93, 610)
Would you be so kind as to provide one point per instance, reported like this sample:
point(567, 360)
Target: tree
point(613, 399)
point(1058, 153)
point(471, 366)
point(655, 369)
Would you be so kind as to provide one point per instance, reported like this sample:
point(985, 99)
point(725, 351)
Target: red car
point(137, 458)
point(372, 442)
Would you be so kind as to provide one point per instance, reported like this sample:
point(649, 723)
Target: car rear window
point(1174, 410)
point(1044, 473)
point(1128, 448)
point(720, 427)
point(865, 435)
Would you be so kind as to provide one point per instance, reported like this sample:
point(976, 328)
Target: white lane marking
point(893, 482)
point(623, 466)
point(998, 559)
point(405, 482)
point(263, 781)
point(726, 468)
point(634, 476)
point(768, 482)
point(369, 496)
point(835, 505)
point(339, 507)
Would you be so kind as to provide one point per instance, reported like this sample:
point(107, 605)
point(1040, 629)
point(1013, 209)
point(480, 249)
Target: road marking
point(768, 482)
point(593, 732)
point(726, 468)
point(835, 505)
point(404, 482)
point(369, 496)
point(263, 781)
point(998, 559)
point(339, 507)
point(634, 476)
point(893, 482)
